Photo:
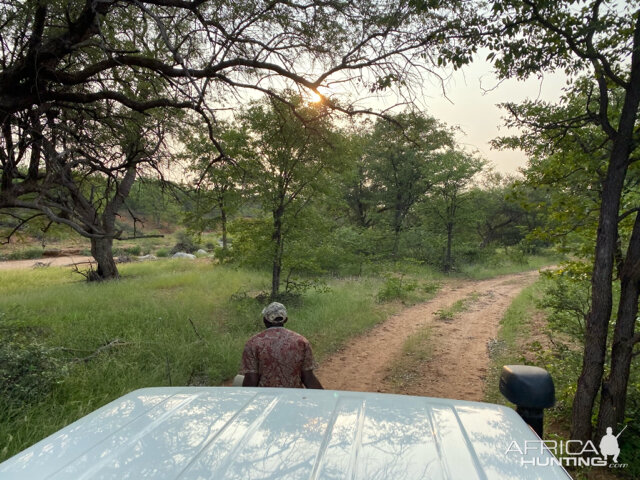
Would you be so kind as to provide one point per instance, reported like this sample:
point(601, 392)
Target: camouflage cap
point(275, 313)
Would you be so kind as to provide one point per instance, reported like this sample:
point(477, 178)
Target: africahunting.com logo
point(569, 453)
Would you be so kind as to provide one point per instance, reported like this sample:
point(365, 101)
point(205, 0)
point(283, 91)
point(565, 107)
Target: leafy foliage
point(396, 288)
point(28, 372)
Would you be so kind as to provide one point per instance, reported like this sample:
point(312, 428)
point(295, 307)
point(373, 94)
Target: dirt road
point(53, 262)
point(460, 357)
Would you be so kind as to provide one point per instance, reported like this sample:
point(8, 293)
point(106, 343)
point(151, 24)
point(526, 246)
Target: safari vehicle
point(251, 433)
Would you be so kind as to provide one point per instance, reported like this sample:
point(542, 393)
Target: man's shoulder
point(257, 337)
point(294, 335)
point(279, 332)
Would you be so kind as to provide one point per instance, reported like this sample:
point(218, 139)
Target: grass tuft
point(416, 351)
point(459, 306)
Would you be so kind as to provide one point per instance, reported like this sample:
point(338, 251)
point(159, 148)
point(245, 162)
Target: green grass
point(170, 322)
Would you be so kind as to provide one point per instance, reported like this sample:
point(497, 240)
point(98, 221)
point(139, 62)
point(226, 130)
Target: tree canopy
point(73, 71)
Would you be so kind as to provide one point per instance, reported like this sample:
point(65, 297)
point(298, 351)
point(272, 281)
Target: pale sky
point(477, 114)
point(470, 102)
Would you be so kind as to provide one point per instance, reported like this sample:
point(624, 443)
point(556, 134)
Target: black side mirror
point(531, 389)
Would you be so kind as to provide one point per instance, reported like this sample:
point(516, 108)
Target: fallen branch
point(135, 237)
point(41, 265)
point(112, 344)
point(166, 357)
point(75, 264)
point(90, 275)
point(196, 331)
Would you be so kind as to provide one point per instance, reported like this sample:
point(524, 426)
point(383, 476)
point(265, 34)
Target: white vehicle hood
point(251, 433)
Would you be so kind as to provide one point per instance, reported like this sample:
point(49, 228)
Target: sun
point(315, 97)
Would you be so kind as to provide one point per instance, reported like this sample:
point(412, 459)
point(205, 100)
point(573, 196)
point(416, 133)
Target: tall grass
point(170, 322)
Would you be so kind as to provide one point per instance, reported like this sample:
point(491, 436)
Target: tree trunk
point(447, 258)
point(223, 222)
point(614, 388)
point(599, 315)
point(396, 242)
point(397, 226)
point(102, 251)
point(277, 251)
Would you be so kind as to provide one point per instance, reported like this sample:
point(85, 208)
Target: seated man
point(278, 357)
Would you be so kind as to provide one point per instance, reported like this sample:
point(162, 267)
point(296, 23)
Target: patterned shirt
point(279, 356)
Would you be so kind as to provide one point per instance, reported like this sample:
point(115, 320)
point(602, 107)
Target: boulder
point(183, 255)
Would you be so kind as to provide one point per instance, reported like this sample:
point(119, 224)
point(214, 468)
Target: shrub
point(162, 252)
point(185, 243)
point(517, 255)
point(26, 254)
point(395, 288)
point(431, 287)
point(135, 250)
point(567, 298)
point(27, 373)
point(222, 255)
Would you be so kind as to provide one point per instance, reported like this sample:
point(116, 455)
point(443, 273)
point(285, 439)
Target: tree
point(356, 188)
point(529, 37)
point(154, 199)
point(505, 218)
point(449, 192)
point(400, 159)
point(87, 63)
point(290, 150)
point(219, 184)
point(81, 176)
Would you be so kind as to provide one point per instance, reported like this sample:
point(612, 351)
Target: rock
point(183, 255)
point(147, 257)
point(202, 252)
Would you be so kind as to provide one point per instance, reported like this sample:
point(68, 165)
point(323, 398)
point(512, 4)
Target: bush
point(27, 373)
point(222, 255)
point(25, 254)
point(567, 298)
point(185, 243)
point(252, 242)
point(135, 250)
point(395, 288)
point(162, 252)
